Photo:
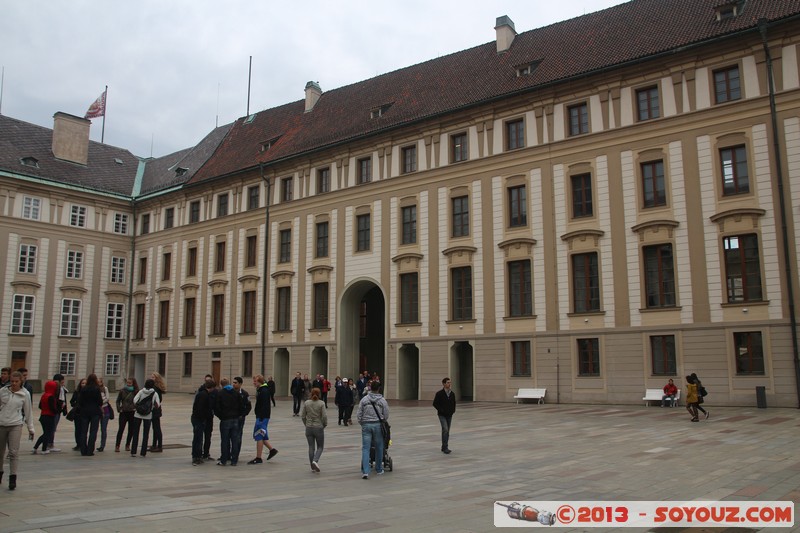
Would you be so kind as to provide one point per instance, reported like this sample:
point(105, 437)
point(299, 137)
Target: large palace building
point(592, 207)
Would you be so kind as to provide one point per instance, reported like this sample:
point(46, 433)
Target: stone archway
point(362, 330)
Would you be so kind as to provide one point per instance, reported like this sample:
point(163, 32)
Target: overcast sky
point(177, 68)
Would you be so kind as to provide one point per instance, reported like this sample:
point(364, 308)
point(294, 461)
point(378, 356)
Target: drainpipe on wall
point(126, 356)
point(265, 275)
point(776, 147)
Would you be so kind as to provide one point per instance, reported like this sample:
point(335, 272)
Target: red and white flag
point(98, 107)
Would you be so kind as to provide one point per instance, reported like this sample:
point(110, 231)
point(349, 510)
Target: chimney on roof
point(71, 138)
point(505, 33)
point(313, 92)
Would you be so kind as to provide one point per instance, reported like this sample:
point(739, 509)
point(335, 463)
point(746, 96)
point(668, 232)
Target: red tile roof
point(608, 38)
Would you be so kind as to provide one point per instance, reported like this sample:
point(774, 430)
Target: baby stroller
point(386, 430)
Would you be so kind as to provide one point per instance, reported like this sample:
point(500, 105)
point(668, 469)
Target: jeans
point(667, 398)
point(158, 437)
point(371, 436)
point(104, 428)
point(229, 434)
point(137, 423)
point(198, 434)
point(297, 400)
point(56, 420)
point(87, 433)
point(445, 422)
point(48, 430)
point(207, 431)
point(316, 442)
point(125, 418)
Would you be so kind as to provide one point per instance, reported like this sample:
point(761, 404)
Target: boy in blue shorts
point(262, 410)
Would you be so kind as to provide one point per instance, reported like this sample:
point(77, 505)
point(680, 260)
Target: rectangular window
point(520, 358)
point(115, 314)
point(283, 317)
point(253, 199)
point(191, 264)
point(27, 259)
point(727, 85)
point(121, 223)
point(142, 270)
point(409, 159)
point(517, 206)
point(585, 283)
point(166, 266)
point(362, 233)
point(460, 216)
point(409, 224)
point(662, 349)
point(194, 212)
point(285, 246)
point(735, 178)
point(218, 315)
point(117, 269)
point(251, 252)
point(31, 208)
point(287, 189)
point(187, 364)
point(749, 353)
point(249, 312)
point(321, 292)
point(578, 119)
point(70, 317)
point(113, 364)
point(77, 216)
point(74, 264)
point(189, 307)
point(219, 258)
point(222, 205)
point(742, 268)
point(247, 363)
point(462, 293)
point(582, 196)
point(515, 134)
point(138, 328)
point(520, 300)
point(589, 357)
point(163, 319)
point(169, 218)
point(647, 103)
point(323, 180)
point(322, 239)
point(364, 170)
point(22, 314)
point(66, 363)
point(409, 298)
point(459, 150)
point(659, 276)
point(145, 224)
point(162, 363)
point(654, 189)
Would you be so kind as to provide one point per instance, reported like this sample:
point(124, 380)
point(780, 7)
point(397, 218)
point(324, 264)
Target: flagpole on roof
point(103, 132)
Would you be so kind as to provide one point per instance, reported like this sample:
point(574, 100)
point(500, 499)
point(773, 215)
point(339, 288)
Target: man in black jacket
point(202, 409)
point(298, 389)
point(209, 427)
point(263, 411)
point(228, 408)
point(445, 404)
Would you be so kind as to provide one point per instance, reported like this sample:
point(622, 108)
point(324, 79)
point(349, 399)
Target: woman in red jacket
point(49, 410)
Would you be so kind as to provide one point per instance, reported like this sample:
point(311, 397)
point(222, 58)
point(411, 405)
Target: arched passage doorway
point(461, 367)
point(362, 330)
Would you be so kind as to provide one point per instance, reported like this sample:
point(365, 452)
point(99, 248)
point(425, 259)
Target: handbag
point(386, 429)
point(72, 414)
point(703, 391)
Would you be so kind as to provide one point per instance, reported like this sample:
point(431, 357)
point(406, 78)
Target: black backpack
point(145, 405)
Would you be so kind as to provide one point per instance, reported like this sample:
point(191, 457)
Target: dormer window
point(117, 160)
point(266, 145)
point(180, 171)
point(729, 9)
point(526, 69)
point(30, 162)
point(250, 118)
point(379, 111)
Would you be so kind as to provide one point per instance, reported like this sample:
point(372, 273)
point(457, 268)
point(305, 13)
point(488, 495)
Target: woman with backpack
point(701, 394)
point(126, 408)
point(48, 407)
point(145, 401)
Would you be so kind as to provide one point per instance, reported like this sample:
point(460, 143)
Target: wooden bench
point(530, 394)
point(655, 395)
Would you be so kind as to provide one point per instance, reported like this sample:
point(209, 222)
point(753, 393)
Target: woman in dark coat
point(90, 407)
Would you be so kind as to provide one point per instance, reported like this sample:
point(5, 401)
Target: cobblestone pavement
point(500, 452)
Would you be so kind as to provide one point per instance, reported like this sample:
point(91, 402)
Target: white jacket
point(15, 408)
point(144, 393)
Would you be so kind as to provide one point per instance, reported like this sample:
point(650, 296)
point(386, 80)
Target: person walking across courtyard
point(445, 404)
point(263, 411)
point(371, 410)
point(15, 412)
point(315, 417)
